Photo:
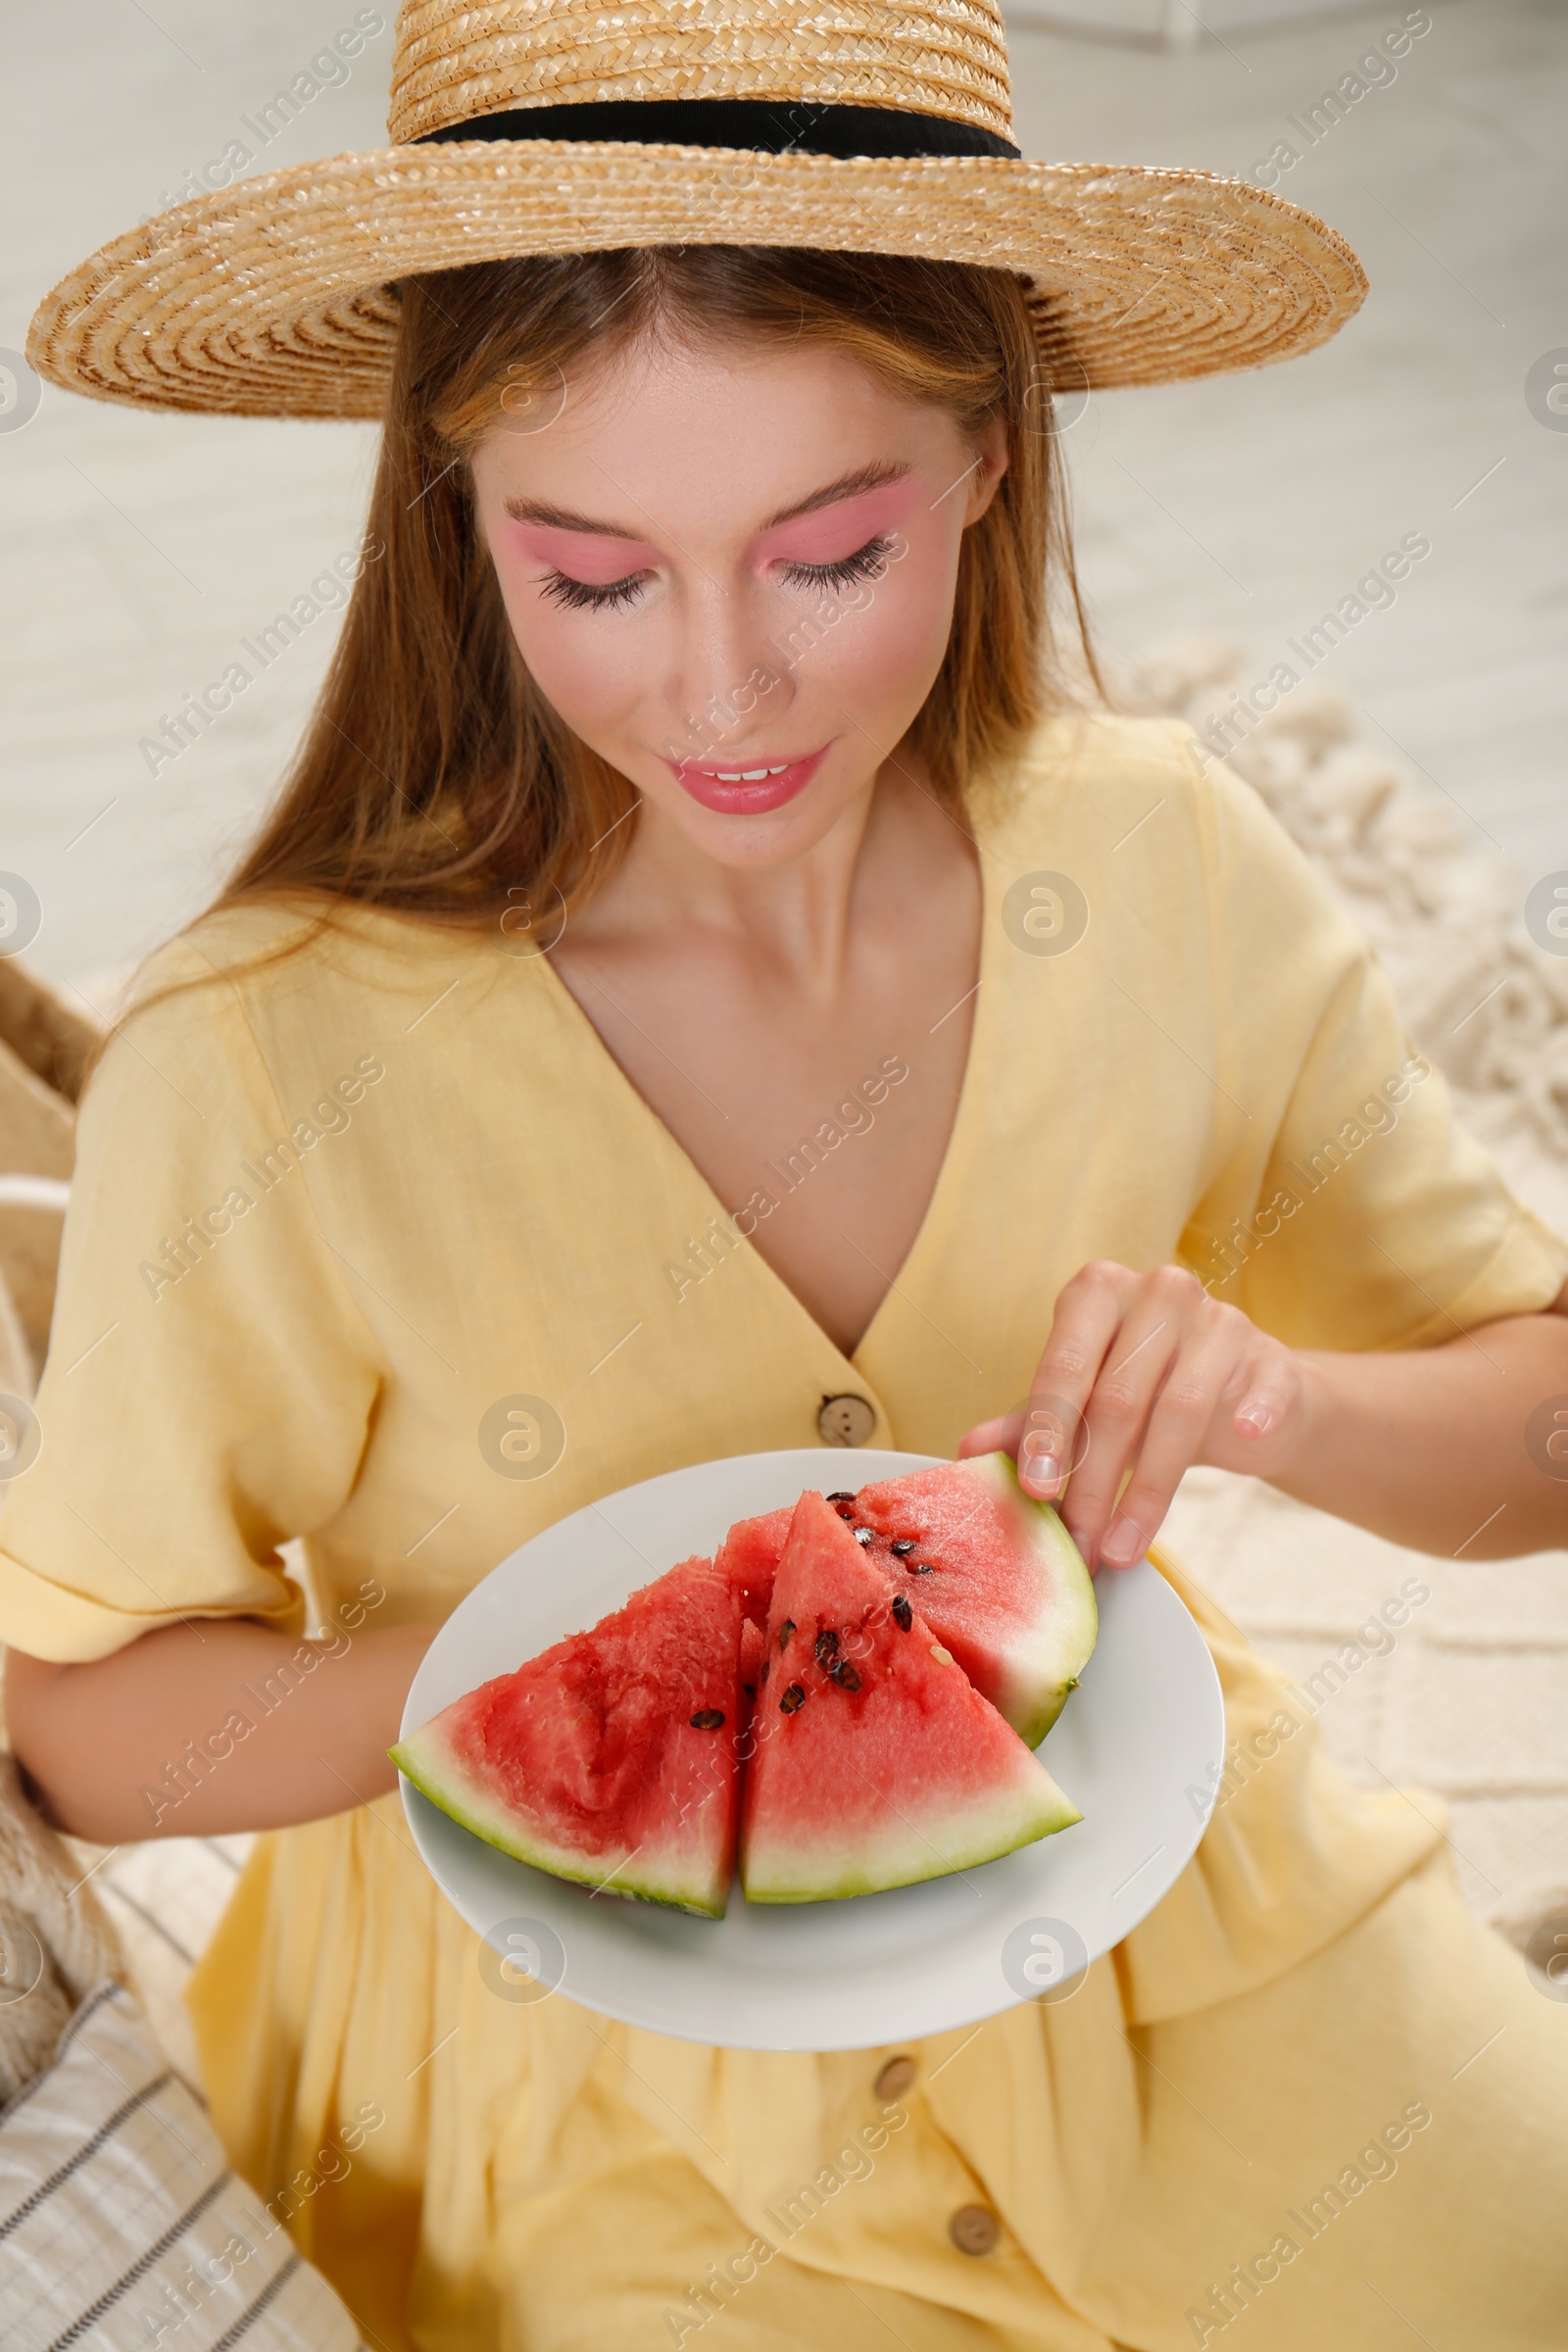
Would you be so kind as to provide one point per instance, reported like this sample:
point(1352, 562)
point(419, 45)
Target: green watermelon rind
point(1044, 1662)
point(1016, 1817)
point(1046, 1658)
point(495, 1829)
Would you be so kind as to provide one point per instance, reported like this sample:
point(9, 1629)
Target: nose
point(728, 685)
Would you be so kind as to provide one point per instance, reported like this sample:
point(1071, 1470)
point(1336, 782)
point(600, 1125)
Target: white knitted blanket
point(1486, 1003)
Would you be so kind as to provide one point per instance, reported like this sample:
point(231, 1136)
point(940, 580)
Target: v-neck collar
point(983, 992)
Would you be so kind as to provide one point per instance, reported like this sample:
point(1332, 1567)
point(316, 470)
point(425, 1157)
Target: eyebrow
point(874, 477)
point(562, 518)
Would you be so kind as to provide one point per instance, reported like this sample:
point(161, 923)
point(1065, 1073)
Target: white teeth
point(747, 775)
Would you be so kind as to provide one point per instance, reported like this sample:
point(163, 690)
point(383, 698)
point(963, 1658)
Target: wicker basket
point(45, 1049)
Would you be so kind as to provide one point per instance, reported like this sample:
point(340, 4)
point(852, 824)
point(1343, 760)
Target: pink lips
point(736, 788)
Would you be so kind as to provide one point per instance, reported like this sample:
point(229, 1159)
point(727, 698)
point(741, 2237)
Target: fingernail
point(1256, 1417)
point(1040, 1467)
point(1121, 1542)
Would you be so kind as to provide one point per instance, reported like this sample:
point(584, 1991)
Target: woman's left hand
point(1144, 1373)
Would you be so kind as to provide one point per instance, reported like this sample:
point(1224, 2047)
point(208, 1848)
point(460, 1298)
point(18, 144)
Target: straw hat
point(547, 127)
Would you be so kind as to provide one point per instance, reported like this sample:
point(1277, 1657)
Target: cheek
point(889, 646)
point(589, 671)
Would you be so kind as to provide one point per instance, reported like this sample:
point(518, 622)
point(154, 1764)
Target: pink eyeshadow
point(583, 555)
point(838, 531)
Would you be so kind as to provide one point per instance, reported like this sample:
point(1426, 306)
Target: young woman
point(705, 989)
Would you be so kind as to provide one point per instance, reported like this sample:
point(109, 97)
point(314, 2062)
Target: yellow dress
point(327, 1218)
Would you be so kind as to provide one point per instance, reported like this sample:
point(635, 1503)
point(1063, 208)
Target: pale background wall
point(141, 548)
point(1171, 23)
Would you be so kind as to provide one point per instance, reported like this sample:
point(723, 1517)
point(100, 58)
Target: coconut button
point(974, 2229)
point(845, 1421)
point(895, 2078)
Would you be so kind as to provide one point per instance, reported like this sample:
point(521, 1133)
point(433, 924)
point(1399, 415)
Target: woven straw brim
point(270, 299)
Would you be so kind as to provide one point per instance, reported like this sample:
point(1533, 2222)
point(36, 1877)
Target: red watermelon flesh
point(612, 1757)
point(993, 1572)
point(750, 1554)
point(753, 1645)
point(876, 1762)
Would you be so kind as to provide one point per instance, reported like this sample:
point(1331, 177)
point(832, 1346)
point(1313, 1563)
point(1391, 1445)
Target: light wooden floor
point(141, 548)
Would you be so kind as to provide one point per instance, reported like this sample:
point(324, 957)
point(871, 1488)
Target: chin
point(774, 837)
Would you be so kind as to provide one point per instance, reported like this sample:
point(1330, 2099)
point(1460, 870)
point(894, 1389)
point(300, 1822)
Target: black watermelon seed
point(841, 1495)
point(762, 1677)
point(861, 1534)
point(845, 1676)
point(784, 1632)
point(903, 1611)
point(707, 1719)
point(750, 1690)
point(793, 1697)
point(920, 1567)
point(905, 1544)
point(827, 1645)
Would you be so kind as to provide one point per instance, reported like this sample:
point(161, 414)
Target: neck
point(793, 919)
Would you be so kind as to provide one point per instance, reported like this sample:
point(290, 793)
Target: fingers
point(1146, 1350)
point(1141, 1375)
point(1178, 1421)
point(999, 1436)
point(1088, 1318)
point(1259, 1410)
point(1226, 1396)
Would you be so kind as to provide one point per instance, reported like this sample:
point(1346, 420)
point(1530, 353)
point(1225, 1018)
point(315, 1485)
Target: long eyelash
point(868, 563)
point(579, 596)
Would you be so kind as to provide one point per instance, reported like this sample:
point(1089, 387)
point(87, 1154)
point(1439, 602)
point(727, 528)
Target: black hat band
point(765, 125)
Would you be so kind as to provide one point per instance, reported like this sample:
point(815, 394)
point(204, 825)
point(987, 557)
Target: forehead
point(721, 434)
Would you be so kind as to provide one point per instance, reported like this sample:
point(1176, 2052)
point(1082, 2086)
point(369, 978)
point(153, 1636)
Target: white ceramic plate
point(1145, 1727)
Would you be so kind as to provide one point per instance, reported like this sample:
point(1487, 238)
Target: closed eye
point(582, 596)
point(868, 563)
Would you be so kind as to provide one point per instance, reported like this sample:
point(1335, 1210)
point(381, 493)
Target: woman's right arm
point(211, 1727)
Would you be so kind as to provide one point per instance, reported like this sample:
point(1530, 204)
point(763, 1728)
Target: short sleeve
point(1353, 1209)
point(210, 1381)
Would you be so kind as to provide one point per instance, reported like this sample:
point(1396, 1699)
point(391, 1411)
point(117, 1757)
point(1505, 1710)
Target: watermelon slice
point(993, 1572)
point(749, 1555)
point(612, 1758)
point(998, 1577)
point(876, 1762)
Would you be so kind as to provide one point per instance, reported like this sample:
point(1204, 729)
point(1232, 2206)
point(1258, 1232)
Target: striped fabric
point(121, 2225)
